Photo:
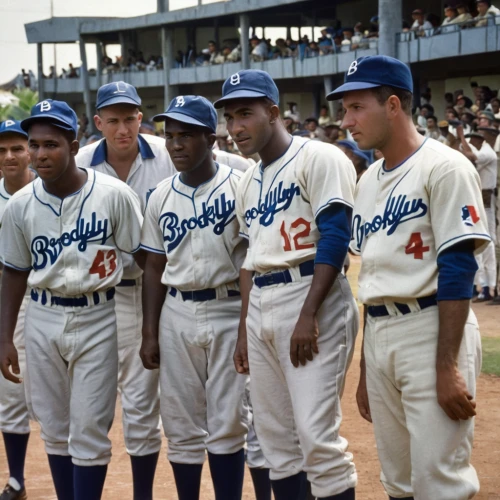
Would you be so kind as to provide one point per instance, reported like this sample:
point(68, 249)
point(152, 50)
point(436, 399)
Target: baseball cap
point(246, 84)
point(487, 114)
point(57, 113)
point(192, 109)
point(474, 134)
point(117, 93)
point(355, 149)
point(12, 127)
point(374, 71)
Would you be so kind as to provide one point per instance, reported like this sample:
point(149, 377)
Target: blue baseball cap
point(248, 84)
point(374, 71)
point(192, 109)
point(57, 113)
point(355, 149)
point(117, 93)
point(12, 127)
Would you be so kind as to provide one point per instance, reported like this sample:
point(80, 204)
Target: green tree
point(27, 99)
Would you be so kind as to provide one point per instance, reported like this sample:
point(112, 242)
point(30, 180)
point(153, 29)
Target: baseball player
point(192, 304)
point(418, 221)
point(64, 235)
point(299, 319)
point(142, 162)
point(483, 156)
point(14, 417)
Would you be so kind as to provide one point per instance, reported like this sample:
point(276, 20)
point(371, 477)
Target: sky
point(17, 53)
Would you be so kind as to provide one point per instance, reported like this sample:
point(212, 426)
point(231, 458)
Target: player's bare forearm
point(362, 391)
point(303, 342)
point(12, 293)
point(452, 392)
point(140, 258)
point(240, 357)
point(153, 297)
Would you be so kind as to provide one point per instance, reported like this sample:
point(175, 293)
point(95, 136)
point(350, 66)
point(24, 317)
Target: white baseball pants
point(138, 387)
point(255, 457)
point(487, 273)
point(203, 403)
point(297, 410)
point(423, 453)
point(14, 416)
point(72, 364)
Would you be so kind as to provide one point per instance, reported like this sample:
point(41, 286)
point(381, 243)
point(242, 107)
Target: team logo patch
point(469, 215)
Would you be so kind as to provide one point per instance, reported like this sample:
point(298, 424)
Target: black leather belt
point(70, 301)
point(424, 303)
point(201, 295)
point(127, 283)
point(306, 269)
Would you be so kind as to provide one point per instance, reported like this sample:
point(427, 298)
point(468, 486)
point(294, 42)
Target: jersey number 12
point(104, 264)
point(300, 222)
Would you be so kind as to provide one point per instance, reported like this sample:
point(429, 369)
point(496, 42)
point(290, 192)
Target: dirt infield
point(486, 455)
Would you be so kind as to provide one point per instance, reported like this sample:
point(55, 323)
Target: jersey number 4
point(300, 222)
point(416, 246)
point(104, 264)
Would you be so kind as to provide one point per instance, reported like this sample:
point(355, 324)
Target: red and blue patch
point(469, 215)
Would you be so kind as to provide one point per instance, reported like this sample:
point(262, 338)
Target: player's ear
point(98, 122)
point(74, 147)
point(210, 140)
point(393, 105)
point(139, 117)
point(274, 113)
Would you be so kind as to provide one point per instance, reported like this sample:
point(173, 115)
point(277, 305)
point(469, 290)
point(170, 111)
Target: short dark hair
point(383, 93)
point(432, 117)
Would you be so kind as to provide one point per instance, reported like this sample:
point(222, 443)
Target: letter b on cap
point(352, 68)
point(235, 79)
point(180, 102)
point(44, 106)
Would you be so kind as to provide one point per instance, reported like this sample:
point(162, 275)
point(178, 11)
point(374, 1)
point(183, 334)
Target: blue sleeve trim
point(12, 266)
point(334, 224)
point(457, 267)
point(469, 236)
point(330, 202)
point(244, 235)
point(153, 250)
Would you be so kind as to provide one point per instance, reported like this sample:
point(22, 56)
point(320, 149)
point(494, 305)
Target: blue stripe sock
point(15, 449)
point(261, 483)
point(187, 480)
point(290, 488)
point(227, 474)
point(143, 473)
point(61, 468)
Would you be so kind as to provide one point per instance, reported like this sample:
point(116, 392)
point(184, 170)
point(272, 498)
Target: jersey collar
point(3, 191)
point(101, 151)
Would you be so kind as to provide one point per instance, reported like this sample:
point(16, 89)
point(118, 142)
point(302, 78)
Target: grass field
point(491, 356)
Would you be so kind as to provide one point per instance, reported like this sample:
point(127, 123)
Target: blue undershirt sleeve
point(457, 267)
point(334, 224)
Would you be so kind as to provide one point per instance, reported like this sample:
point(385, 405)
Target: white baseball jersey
point(277, 206)
point(72, 246)
point(236, 162)
point(197, 230)
point(4, 198)
point(152, 165)
point(404, 217)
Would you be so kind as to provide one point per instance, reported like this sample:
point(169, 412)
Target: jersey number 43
point(104, 263)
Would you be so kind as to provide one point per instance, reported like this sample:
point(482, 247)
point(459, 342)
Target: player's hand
point(453, 396)
point(240, 357)
point(362, 397)
point(460, 131)
point(150, 352)
point(304, 341)
point(8, 360)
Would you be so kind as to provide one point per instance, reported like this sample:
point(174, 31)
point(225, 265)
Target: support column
point(333, 106)
point(99, 55)
point(167, 47)
point(40, 72)
point(84, 75)
point(123, 46)
point(244, 41)
point(390, 15)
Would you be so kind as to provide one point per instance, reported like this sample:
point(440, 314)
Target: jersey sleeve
point(152, 236)
point(240, 207)
point(128, 221)
point(14, 250)
point(457, 211)
point(326, 176)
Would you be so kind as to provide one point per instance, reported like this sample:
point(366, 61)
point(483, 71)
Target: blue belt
point(70, 301)
point(424, 303)
point(201, 295)
point(127, 283)
point(306, 269)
